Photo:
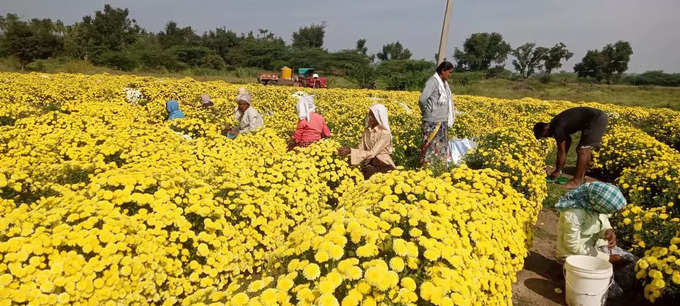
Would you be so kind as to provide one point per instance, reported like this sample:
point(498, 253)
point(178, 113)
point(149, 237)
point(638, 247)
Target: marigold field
point(104, 202)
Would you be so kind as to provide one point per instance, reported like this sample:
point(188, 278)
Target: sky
point(651, 26)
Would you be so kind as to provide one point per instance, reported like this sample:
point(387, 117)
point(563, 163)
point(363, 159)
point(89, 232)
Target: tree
point(110, 29)
point(480, 50)
point(176, 36)
point(528, 59)
point(394, 51)
point(221, 41)
point(262, 51)
point(309, 36)
point(361, 46)
point(554, 58)
point(608, 64)
point(363, 75)
point(32, 40)
point(405, 74)
point(591, 66)
point(617, 57)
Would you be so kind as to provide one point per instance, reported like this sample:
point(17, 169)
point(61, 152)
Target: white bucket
point(587, 280)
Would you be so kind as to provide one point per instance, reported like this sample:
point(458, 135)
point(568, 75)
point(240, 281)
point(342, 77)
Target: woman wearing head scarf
point(376, 145)
point(584, 229)
point(172, 107)
point(436, 107)
point(247, 116)
point(311, 126)
point(205, 101)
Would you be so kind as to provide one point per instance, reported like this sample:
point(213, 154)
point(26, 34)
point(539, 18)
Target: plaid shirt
point(597, 196)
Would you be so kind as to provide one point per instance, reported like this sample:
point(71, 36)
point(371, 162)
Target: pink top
point(311, 131)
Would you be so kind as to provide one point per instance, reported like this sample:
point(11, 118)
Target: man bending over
point(591, 122)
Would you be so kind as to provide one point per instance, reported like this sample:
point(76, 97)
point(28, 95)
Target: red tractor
point(306, 77)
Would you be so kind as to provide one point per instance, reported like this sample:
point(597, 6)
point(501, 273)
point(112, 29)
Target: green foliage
point(36, 39)
point(260, 51)
point(658, 78)
point(608, 64)
point(405, 74)
point(553, 60)
point(363, 75)
point(480, 50)
point(310, 36)
point(213, 61)
point(221, 41)
point(394, 51)
point(361, 46)
point(117, 59)
point(109, 30)
point(191, 55)
point(528, 59)
point(175, 36)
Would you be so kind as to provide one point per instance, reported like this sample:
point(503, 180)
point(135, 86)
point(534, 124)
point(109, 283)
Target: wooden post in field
point(445, 30)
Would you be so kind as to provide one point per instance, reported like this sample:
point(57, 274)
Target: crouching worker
point(376, 145)
point(584, 229)
point(311, 126)
point(249, 119)
point(172, 107)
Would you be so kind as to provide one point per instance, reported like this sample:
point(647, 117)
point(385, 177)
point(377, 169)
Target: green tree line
point(110, 38)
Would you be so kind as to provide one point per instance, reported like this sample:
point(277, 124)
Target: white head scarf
point(445, 97)
point(305, 106)
point(380, 113)
point(243, 95)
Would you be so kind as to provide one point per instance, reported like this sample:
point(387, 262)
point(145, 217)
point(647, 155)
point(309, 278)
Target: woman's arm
point(359, 155)
point(425, 100)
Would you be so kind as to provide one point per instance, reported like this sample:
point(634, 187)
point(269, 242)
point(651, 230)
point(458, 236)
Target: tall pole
point(445, 31)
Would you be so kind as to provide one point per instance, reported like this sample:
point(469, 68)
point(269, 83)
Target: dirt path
point(542, 273)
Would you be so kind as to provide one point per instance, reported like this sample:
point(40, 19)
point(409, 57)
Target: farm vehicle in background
point(305, 77)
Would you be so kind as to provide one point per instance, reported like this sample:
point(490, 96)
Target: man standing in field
point(590, 121)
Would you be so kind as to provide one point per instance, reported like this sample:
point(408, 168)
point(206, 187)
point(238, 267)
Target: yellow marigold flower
point(328, 300)
point(369, 301)
point(676, 277)
point(321, 256)
point(269, 296)
point(364, 288)
point(284, 284)
point(367, 250)
point(311, 271)
point(5, 280)
point(336, 252)
point(239, 299)
point(400, 247)
point(203, 249)
point(396, 232)
point(397, 264)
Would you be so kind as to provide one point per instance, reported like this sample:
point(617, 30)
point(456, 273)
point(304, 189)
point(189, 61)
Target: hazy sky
point(651, 26)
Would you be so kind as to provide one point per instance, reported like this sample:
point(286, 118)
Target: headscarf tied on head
point(597, 197)
point(172, 107)
point(380, 113)
point(243, 95)
point(305, 106)
point(205, 100)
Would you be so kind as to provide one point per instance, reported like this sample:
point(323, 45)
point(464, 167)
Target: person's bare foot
point(573, 184)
